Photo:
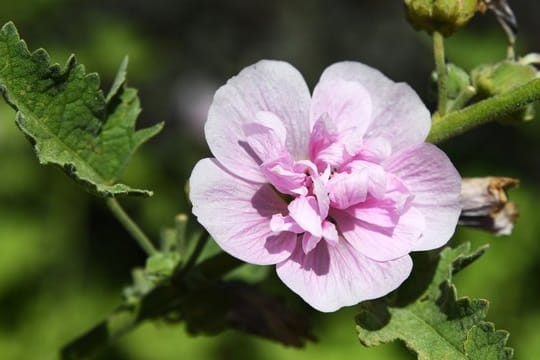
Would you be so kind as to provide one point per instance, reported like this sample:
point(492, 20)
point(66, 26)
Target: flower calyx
point(444, 16)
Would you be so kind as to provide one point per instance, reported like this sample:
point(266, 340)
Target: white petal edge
point(347, 103)
point(436, 184)
point(331, 277)
point(237, 214)
point(379, 246)
point(398, 114)
point(268, 86)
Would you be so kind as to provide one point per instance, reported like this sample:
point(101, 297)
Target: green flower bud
point(495, 79)
point(458, 86)
point(458, 80)
point(444, 16)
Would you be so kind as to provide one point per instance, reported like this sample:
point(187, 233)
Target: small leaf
point(437, 325)
point(162, 264)
point(68, 120)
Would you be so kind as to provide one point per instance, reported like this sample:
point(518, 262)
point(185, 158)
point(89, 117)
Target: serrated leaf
point(437, 325)
point(64, 114)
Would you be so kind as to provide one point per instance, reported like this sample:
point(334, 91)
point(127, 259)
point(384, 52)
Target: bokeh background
point(64, 259)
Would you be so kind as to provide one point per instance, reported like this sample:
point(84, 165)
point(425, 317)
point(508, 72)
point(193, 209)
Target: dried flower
point(485, 204)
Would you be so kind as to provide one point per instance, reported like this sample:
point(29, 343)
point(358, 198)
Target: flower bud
point(458, 80)
point(495, 79)
point(444, 16)
point(459, 89)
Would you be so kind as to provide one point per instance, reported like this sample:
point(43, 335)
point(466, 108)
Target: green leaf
point(64, 114)
point(437, 325)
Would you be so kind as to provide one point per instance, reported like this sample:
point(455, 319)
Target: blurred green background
point(64, 259)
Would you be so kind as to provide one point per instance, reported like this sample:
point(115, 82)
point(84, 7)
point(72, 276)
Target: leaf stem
point(440, 65)
point(133, 229)
point(464, 96)
point(484, 111)
point(201, 242)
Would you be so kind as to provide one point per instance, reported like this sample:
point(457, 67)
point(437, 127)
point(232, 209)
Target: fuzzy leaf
point(66, 117)
point(437, 325)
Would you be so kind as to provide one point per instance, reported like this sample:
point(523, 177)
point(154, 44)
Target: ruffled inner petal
point(347, 189)
point(280, 173)
point(379, 242)
point(305, 211)
point(309, 242)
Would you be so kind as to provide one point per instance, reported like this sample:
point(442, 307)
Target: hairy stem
point(133, 229)
point(462, 99)
point(484, 111)
point(440, 66)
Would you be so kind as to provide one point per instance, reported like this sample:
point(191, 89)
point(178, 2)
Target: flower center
point(342, 178)
point(313, 195)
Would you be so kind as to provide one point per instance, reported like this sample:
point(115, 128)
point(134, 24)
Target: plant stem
point(180, 222)
point(134, 230)
point(462, 99)
point(440, 66)
point(201, 242)
point(484, 111)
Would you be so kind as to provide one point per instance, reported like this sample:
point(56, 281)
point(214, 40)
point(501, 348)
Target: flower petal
point(398, 113)
point(382, 243)
point(375, 150)
point(266, 137)
point(377, 181)
point(330, 277)
point(270, 86)
point(304, 210)
point(324, 146)
point(280, 223)
point(309, 242)
point(282, 175)
point(330, 233)
point(347, 104)
point(323, 201)
point(381, 213)
point(347, 189)
point(220, 200)
point(427, 173)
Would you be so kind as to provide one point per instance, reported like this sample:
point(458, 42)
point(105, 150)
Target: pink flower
point(336, 188)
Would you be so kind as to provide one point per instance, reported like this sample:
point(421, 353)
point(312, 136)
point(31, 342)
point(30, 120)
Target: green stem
point(464, 96)
point(440, 65)
point(484, 111)
point(203, 239)
point(180, 222)
point(134, 230)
